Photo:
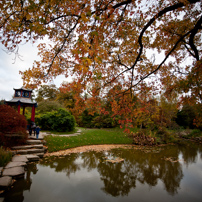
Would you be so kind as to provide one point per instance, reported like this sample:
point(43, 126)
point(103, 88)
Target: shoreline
point(87, 148)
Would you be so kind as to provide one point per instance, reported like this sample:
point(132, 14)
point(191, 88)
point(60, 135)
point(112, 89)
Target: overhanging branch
point(192, 35)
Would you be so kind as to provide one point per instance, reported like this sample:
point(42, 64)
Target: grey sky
point(9, 71)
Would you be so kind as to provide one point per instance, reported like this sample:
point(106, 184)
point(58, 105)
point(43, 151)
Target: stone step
point(30, 151)
point(15, 172)
point(31, 142)
point(38, 146)
point(40, 155)
point(34, 138)
point(15, 164)
point(5, 182)
point(19, 158)
point(32, 157)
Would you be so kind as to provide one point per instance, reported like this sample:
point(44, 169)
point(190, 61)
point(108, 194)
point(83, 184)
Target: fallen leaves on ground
point(97, 148)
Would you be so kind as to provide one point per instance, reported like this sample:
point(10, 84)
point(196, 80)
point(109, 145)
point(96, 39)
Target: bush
point(60, 121)
point(97, 120)
point(12, 124)
point(10, 120)
point(142, 138)
point(165, 136)
point(195, 133)
point(186, 116)
point(104, 121)
point(86, 119)
point(5, 157)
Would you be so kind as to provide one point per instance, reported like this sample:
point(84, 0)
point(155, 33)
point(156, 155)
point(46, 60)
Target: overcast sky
point(9, 70)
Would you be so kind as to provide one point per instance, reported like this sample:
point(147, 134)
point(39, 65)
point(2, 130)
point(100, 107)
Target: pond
point(168, 173)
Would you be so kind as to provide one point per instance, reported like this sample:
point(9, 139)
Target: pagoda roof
point(23, 88)
point(22, 100)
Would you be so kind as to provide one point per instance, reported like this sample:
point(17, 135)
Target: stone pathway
point(15, 169)
point(32, 151)
point(43, 134)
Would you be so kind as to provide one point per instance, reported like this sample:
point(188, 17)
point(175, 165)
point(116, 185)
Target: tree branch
point(58, 51)
point(176, 44)
point(191, 38)
point(162, 12)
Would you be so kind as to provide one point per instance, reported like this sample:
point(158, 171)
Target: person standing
point(30, 129)
point(33, 127)
point(37, 129)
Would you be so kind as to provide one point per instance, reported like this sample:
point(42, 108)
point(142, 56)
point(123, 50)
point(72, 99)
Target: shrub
point(10, 120)
point(104, 121)
point(165, 136)
point(97, 120)
point(194, 133)
point(60, 121)
point(86, 119)
point(142, 138)
point(186, 116)
point(5, 157)
point(12, 124)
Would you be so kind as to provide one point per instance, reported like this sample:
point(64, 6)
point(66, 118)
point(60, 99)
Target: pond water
point(169, 173)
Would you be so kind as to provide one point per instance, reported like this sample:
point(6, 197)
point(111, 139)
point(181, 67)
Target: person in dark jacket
point(30, 129)
point(37, 129)
point(33, 127)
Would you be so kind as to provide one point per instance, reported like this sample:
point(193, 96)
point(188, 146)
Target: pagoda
point(22, 98)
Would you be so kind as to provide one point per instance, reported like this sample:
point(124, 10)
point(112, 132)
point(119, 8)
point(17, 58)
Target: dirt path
point(96, 148)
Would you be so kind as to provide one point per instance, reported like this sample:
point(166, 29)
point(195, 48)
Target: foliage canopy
point(107, 46)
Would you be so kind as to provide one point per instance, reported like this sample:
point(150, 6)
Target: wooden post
point(33, 113)
point(23, 110)
point(18, 108)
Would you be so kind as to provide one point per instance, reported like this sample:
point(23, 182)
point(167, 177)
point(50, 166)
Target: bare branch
point(162, 12)
point(191, 38)
point(59, 50)
point(154, 71)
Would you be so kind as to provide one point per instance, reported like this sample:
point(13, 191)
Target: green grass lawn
point(88, 137)
point(61, 133)
point(104, 136)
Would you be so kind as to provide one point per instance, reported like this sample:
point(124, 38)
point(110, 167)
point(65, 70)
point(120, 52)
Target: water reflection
point(155, 167)
point(63, 164)
point(145, 166)
point(16, 193)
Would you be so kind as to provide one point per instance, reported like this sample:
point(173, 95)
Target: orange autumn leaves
point(103, 44)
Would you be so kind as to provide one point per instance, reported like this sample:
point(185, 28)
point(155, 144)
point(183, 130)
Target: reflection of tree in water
point(189, 151)
point(90, 160)
point(118, 178)
point(16, 193)
point(62, 164)
point(146, 167)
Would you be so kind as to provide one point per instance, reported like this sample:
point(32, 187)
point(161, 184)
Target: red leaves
point(11, 121)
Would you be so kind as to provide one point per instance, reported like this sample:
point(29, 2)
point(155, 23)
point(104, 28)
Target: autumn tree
point(168, 108)
point(46, 92)
point(104, 43)
point(66, 96)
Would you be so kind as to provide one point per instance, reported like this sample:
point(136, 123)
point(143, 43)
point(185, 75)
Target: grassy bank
point(5, 157)
point(88, 137)
point(117, 136)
